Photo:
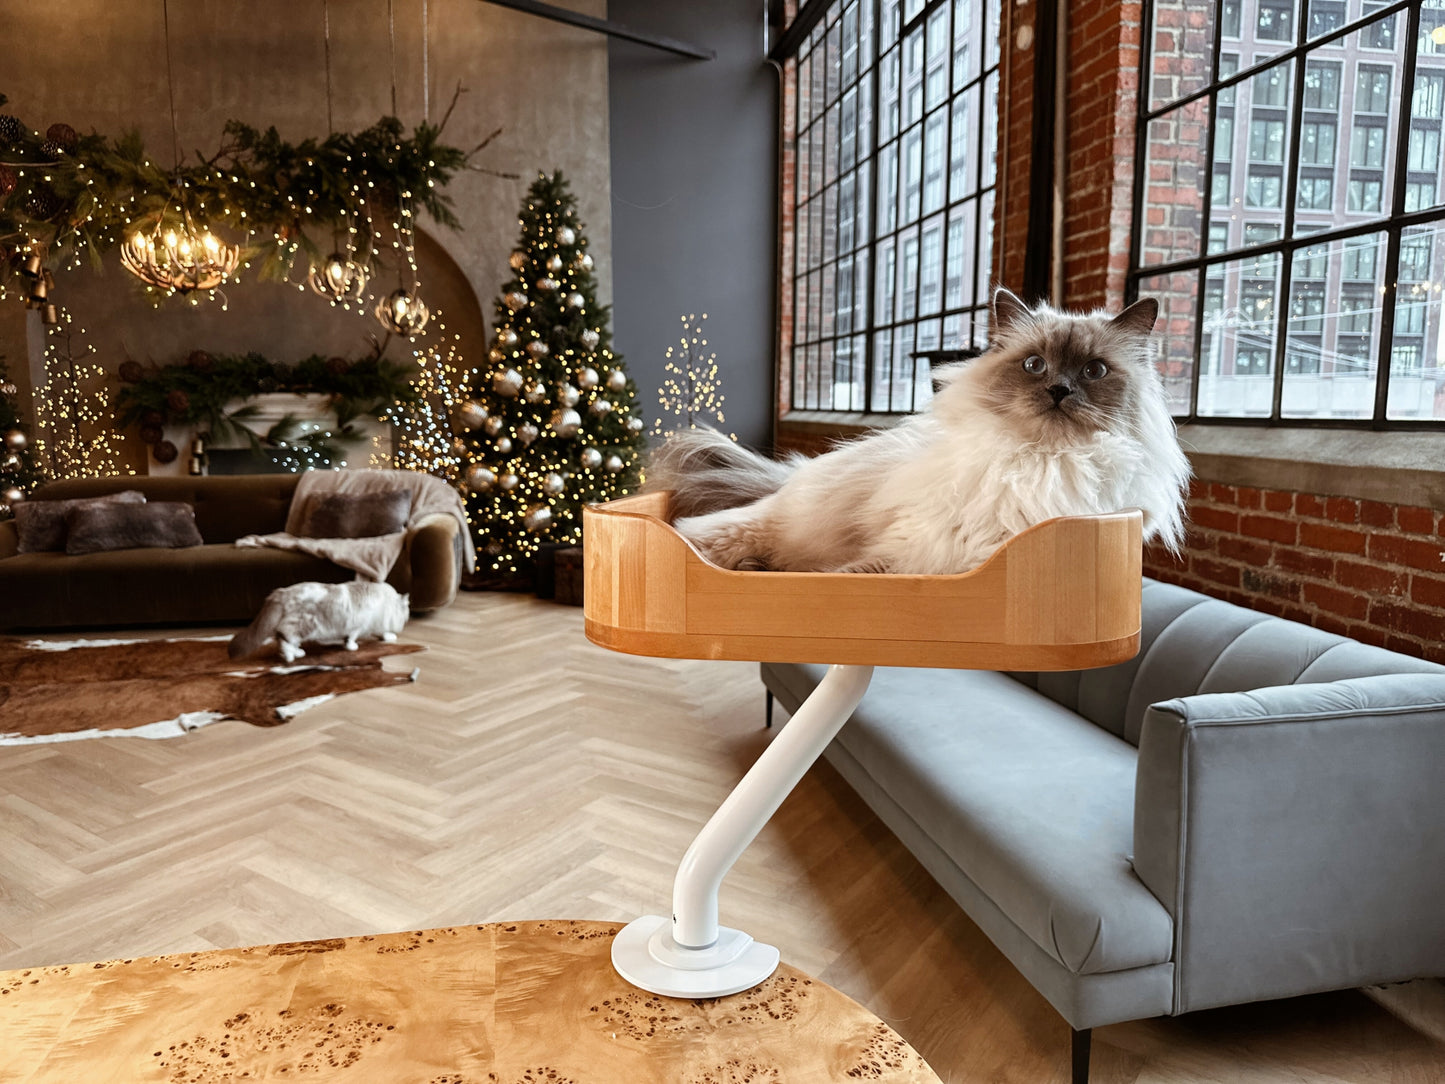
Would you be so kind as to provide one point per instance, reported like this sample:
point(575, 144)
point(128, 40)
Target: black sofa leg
point(768, 718)
point(1081, 1055)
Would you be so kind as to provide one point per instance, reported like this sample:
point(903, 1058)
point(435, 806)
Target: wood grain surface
point(504, 1003)
point(1062, 595)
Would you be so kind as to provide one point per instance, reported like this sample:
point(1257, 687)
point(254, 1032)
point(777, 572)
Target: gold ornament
point(583, 262)
point(554, 263)
point(538, 518)
point(338, 278)
point(480, 478)
point(471, 414)
point(402, 313)
point(591, 458)
point(566, 235)
point(179, 261)
point(614, 464)
point(8, 389)
point(547, 285)
point(504, 445)
point(526, 433)
point(517, 260)
point(515, 300)
point(493, 425)
point(12, 494)
point(536, 394)
point(507, 338)
point(508, 383)
point(616, 380)
point(601, 407)
point(15, 439)
point(567, 395)
point(590, 339)
point(538, 349)
point(575, 301)
point(509, 482)
point(566, 422)
point(587, 378)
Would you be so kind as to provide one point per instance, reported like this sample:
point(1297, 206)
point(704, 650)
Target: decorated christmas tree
point(553, 424)
point(19, 474)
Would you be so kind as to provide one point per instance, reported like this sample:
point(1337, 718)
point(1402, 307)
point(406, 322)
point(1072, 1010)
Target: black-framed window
point(895, 136)
point(1298, 285)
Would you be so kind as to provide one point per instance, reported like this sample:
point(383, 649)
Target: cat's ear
point(1138, 318)
point(1008, 309)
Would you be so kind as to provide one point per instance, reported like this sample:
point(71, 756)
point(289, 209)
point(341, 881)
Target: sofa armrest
point(9, 539)
point(433, 546)
point(1297, 835)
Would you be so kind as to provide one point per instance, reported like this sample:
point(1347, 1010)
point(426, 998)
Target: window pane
point(1324, 16)
point(1174, 183)
point(1183, 49)
point(966, 42)
point(1333, 329)
point(1240, 329)
point(1173, 343)
point(958, 282)
point(1417, 380)
point(963, 145)
point(1274, 22)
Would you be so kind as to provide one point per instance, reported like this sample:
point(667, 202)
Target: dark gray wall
point(694, 199)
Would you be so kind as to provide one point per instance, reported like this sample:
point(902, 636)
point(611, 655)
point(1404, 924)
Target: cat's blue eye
point(1095, 370)
point(1034, 364)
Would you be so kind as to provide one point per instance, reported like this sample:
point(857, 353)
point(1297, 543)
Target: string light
point(72, 411)
point(692, 391)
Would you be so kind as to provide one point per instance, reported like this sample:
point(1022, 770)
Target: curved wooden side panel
point(1062, 595)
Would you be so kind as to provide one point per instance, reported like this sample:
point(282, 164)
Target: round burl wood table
point(505, 1003)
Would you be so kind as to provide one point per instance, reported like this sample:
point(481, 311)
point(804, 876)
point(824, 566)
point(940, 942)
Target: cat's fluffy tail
point(707, 472)
point(250, 639)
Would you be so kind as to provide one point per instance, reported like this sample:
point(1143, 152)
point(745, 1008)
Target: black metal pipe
point(606, 26)
point(1038, 242)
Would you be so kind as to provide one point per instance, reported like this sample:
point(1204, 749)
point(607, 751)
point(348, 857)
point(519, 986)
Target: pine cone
point(165, 452)
point(131, 372)
point(11, 130)
point(152, 417)
point(42, 202)
point(52, 149)
point(8, 181)
point(200, 362)
point(178, 401)
point(152, 434)
point(63, 136)
point(338, 366)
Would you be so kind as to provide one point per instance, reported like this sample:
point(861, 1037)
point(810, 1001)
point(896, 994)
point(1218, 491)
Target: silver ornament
point(509, 481)
point(538, 349)
point(616, 380)
point(493, 426)
point(614, 464)
point(536, 394)
point(497, 354)
point(15, 440)
point(515, 300)
point(566, 422)
point(575, 301)
point(553, 484)
point(517, 260)
point(10, 462)
point(587, 378)
point(583, 262)
point(566, 235)
point(601, 407)
point(538, 517)
point(590, 339)
point(567, 395)
point(507, 338)
point(493, 547)
point(480, 478)
point(471, 414)
point(504, 445)
point(554, 263)
point(12, 494)
point(526, 433)
point(507, 383)
point(634, 424)
point(591, 458)
point(547, 285)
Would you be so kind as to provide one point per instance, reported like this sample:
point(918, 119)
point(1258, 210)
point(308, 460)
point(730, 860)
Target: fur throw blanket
point(371, 558)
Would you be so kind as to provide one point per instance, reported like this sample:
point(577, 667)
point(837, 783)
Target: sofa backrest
point(227, 506)
point(1190, 643)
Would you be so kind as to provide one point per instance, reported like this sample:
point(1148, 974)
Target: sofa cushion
point(41, 523)
point(226, 507)
point(355, 515)
point(99, 528)
point(1033, 804)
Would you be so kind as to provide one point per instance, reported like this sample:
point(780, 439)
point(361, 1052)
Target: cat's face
point(1057, 377)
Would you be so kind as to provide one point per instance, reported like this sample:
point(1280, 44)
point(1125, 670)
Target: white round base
point(644, 954)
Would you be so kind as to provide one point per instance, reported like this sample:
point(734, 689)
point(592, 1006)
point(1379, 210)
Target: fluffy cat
point(1063, 415)
point(324, 613)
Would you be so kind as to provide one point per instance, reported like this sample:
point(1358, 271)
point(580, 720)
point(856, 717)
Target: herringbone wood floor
point(528, 774)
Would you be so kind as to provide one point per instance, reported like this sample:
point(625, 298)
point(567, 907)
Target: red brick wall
point(1364, 569)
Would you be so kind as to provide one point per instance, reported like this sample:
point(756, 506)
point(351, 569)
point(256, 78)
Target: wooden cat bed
point(1064, 595)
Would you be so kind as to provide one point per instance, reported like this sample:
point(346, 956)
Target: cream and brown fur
point(1063, 415)
point(323, 613)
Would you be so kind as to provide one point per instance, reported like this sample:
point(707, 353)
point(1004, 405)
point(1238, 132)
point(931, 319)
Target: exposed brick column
point(787, 195)
point(1015, 125)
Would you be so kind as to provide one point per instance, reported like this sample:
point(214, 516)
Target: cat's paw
point(388, 637)
point(350, 644)
point(290, 652)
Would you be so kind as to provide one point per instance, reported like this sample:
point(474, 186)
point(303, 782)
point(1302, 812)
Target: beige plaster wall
point(97, 64)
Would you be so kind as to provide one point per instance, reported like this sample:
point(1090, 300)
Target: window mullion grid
point(1384, 362)
point(1286, 259)
point(800, 305)
point(1141, 151)
point(980, 150)
point(870, 355)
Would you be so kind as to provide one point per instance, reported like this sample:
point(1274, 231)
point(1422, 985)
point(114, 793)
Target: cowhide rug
point(72, 689)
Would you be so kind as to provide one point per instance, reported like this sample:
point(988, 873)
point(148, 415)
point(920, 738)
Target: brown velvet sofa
point(218, 581)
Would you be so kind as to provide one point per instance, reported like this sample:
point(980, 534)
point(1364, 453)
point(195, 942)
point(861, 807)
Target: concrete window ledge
point(1393, 467)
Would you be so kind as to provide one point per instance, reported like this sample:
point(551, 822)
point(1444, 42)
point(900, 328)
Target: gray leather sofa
point(1248, 809)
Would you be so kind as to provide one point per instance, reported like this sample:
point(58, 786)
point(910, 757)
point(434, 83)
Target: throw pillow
point(345, 515)
point(157, 525)
point(41, 524)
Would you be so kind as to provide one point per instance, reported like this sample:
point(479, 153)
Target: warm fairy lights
point(692, 392)
point(425, 441)
point(72, 411)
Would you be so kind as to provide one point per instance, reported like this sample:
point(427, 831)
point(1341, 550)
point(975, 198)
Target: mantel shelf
point(1063, 595)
